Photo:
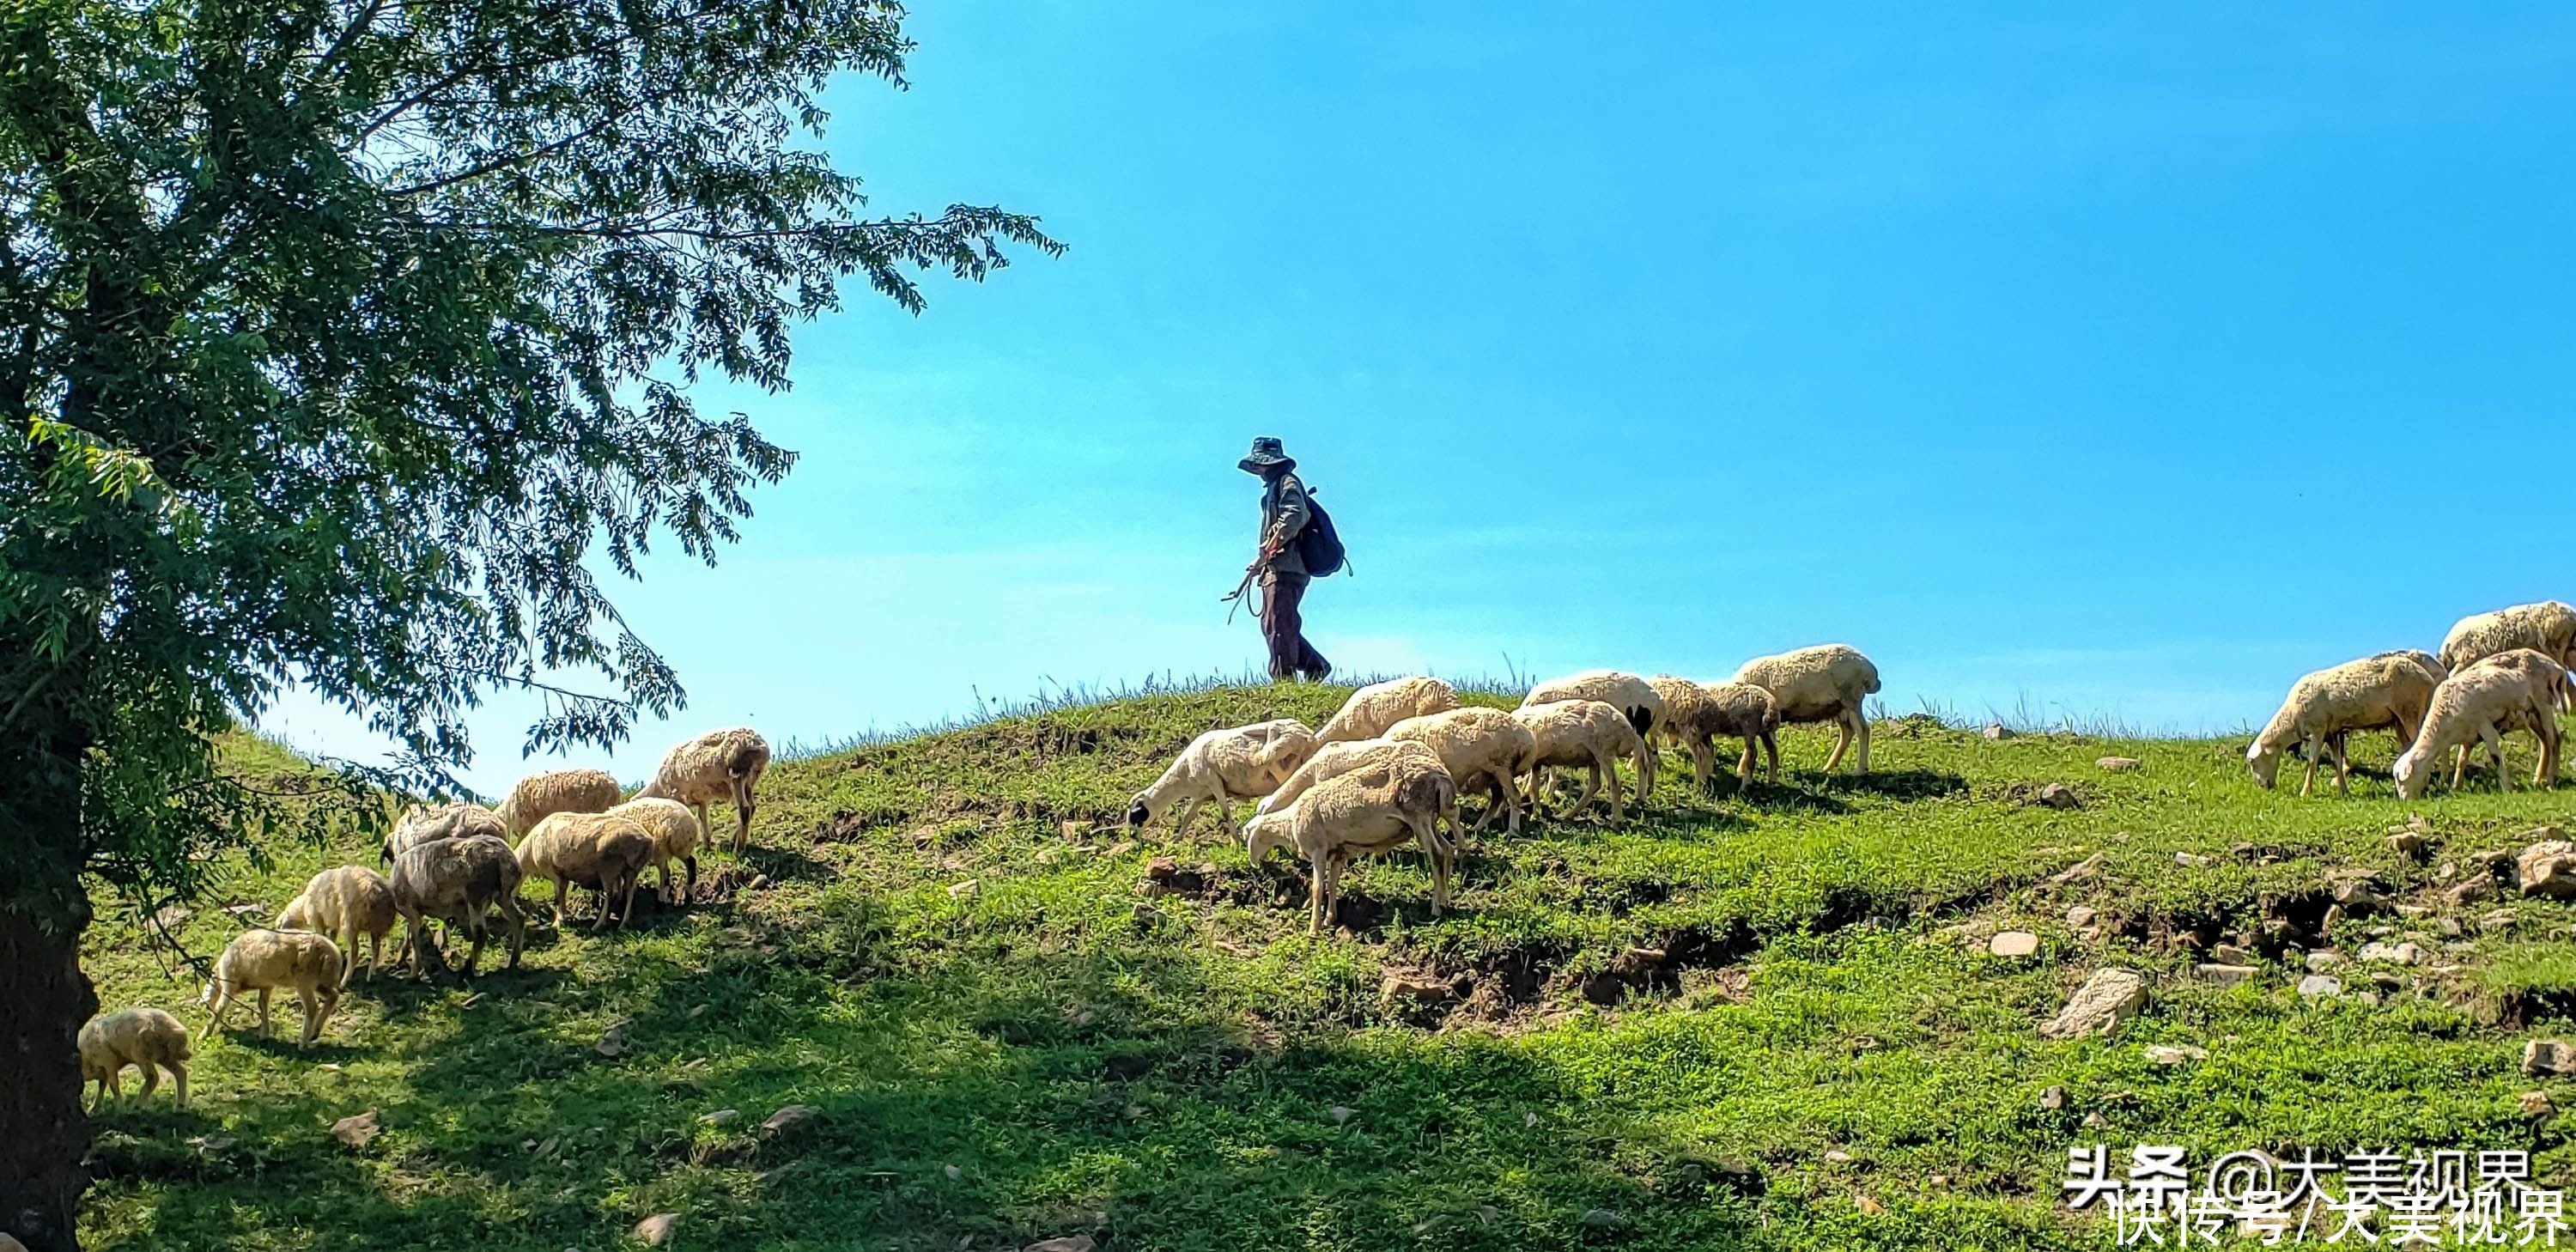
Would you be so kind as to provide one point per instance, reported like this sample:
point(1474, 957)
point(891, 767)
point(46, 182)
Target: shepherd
point(1298, 544)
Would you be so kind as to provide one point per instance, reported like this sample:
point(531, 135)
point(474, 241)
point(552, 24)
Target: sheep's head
point(2264, 761)
point(1139, 811)
point(1265, 832)
point(292, 916)
point(2410, 772)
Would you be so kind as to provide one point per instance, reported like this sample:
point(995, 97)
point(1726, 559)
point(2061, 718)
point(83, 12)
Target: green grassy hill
point(1765, 1020)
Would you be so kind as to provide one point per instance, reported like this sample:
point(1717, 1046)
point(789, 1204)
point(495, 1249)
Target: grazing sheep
point(2514, 690)
point(262, 961)
point(537, 797)
point(675, 838)
point(2548, 628)
point(1333, 760)
point(718, 765)
point(2390, 690)
point(600, 851)
point(459, 881)
point(1825, 683)
point(147, 1039)
point(1634, 697)
point(1395, 798)
point(421, 824)
point(1733, 710)
point(1581, 732)
point(345, 903)
point(1476, 745)
point(1223, 766)
point(1373, 708)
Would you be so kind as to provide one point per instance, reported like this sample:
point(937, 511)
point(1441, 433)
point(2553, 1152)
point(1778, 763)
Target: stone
point(2081, 915)
point(1997, 731)
point(722, 1117)
point(2547, 868)
point(1340, 1113)
point(789, 1119)
point(2053, 1099)
point(962, 890)
point(2323, 959)
point(2320, 985)
point(357, 1130)
point(2059, 796)
point(2013, 943)
point(2496, 919)
point(2095, 1121)
point(2111, 996)
point(2355, 893)
point(2117, 764)
point(2188, 860)
point(169, 918)
point(656, 1230)
point(1062, 1243)
point(612, 1041)
point(1402, 986)
point(2399, 953)
point(2077, 872)
point(2231, 954)
point(2548, 1058)
point(1605, 1219)
point(1838, 1157)
point(2536, 1106)
point(2407, 843)
point(2164, 1054)
point(2222, 973)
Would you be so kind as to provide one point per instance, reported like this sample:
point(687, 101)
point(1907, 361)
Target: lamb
point(675, 838)
point(147, 1039)
point(1397, 797)
point(1736, 711)
point(1476, 745)
point(262, 961)
point(459, 881)
point(718, 765)
point(537, 797)
point(345, 903)
point(596, 850)
point(1373, 708)
point(1223, 766)
point(2508, 691)
point(1582, 732)
point(2390, 690)
point(2548, 628)
point(421, 824)
point(1825, 683)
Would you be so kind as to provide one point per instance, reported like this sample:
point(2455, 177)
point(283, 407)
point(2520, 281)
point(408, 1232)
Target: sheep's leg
point(1510, 793)
point(474, 954)
point(1842, 742)
point(151, 1078)
point(1860, 723)
point(607, 893)
point(2495, 752)
point(2343, 767)
point(1189, 809)
point(518, 927)
point(1429, 835)
point(692, 862)
point(2308, 781)
point(1608, 767)
point(179, 1073)
point(349, 946)
point(1744, 766)
point(1225, 812)
point(263, 1012)
point(745, 805)
point(215, 1010)
point(112, 1087)
point(626, 912)
point(563, 889)
point(1315, 899)
point(2460, 766)
point(312, 1014)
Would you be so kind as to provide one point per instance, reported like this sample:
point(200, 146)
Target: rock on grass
point(2111, 996)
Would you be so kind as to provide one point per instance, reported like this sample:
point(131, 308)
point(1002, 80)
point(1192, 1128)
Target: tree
point(334, 335)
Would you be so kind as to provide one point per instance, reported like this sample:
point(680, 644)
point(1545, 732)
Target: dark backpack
point(1319, 545)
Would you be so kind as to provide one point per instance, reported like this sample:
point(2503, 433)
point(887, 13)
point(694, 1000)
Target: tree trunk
point(43, 1133)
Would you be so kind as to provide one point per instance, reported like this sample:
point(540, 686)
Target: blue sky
point(2112, 360)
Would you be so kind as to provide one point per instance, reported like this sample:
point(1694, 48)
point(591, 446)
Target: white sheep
point(1825, 683)
point(1373, 708)
point(1581, 732)
point(675, 833)
point(539, 796)
point(1333, 760)
point(1223, 766)
point(596, 850)
point(716, 766)
point(1394, 799)
point(2548, 628)
point(423, 823)
point(2508, 691)
point(2390, 690)
point(1479, 747)
point(1634, 697)
point(148, 1039)
point(345, 903)
point(263, 961)
point(459, 881)
point(1735, 711)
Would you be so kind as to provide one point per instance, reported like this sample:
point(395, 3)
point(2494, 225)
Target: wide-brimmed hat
point(1266, 453)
